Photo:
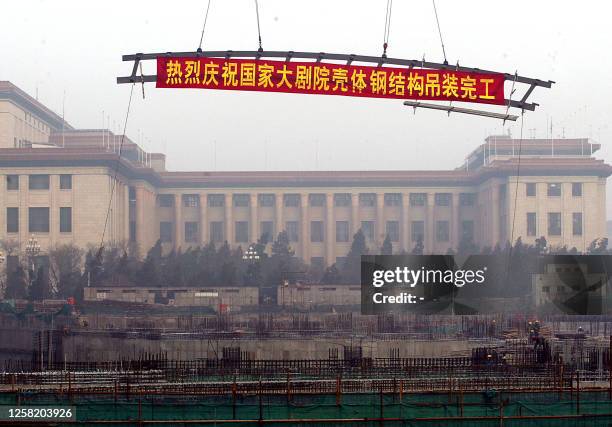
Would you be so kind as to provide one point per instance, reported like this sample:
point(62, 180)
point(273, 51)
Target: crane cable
point(110, 200)
point(439, 31)
point(204, 26)
point(518, 175)
point(387, 27)
point(258, 26)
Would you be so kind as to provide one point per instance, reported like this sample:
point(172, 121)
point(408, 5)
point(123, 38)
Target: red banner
point(329, 79)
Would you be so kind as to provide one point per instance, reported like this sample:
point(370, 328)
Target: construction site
point(377, 253)
point(315, 369)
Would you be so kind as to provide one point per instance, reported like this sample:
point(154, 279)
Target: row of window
point(317, 231)
point(41, 182)
point(553, 189)
point(555, 224)
point(36, 123)
point(317, 199)
point(38, 182)
point(38, 220)
point(392, 229)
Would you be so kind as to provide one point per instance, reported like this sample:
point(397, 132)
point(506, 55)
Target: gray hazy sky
point(76, 46)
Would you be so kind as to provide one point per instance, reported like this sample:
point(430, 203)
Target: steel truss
point(521, 103)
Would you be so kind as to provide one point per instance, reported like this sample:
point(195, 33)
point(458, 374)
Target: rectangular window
point(317, 199)
point(467, 230)
point(393, 230)
point(316, 231)
point(418, 231)
point(165, 200)
point(442, 231)
point(191, 200)
point(38, 220)
point(291, 227)
point(66, 220)
point(554, 223)
point(554, 189)
point(191, 231)
point(342, 199)
point(577, 189)
point(216, 231)
point(132, 194)
point(393, 199)
point(12, 182)
point(367, 228)
point(242, 231)
point(266, 200)
point(532, 227)
point(530, 189)
point(291, 200)
point(216, 200)
point(342, 231)
point(467, 199)
point(241, 200)
point(65, 182)
point(266, 228)
point(577, 223)
point(418, 199)
point(165, 231)
point(39, 182)
point(443, 199)
point(367, 199)
point(12, 220)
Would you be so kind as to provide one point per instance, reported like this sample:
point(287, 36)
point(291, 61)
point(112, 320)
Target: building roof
point(500, 167)
point(506, 146)
point(11, 92)
point(89, 138)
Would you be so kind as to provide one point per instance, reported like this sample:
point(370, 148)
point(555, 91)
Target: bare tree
point(65, 269)
point(9, 246)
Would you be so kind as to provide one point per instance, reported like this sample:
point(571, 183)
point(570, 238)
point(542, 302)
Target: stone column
point(455, 226)
point(254, 226)
point(178, 221)
point(140, 221)
point(126, 212)
point(229, 220)
point(54, 214)
point(330, 235)
point(355, 222)
point(203, 219)
point(601, 199)
point(430, 224)
point(24, 203)
point(567, 215)
point(541, 215)
point(305, 219)
point(405, 226)
point(278, 216)
point(380, 220)
point(495, 214)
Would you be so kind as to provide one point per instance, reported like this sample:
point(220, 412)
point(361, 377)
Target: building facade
point(221, 299)
point(76, 188)
point(25, 122)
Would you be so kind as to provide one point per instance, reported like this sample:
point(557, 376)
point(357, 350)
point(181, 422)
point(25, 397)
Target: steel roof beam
point(346, 58)
point(452, 109)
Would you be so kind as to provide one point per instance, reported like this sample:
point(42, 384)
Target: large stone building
point(65, 185)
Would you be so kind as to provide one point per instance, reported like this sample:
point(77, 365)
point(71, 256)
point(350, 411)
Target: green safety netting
point(595, 408)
